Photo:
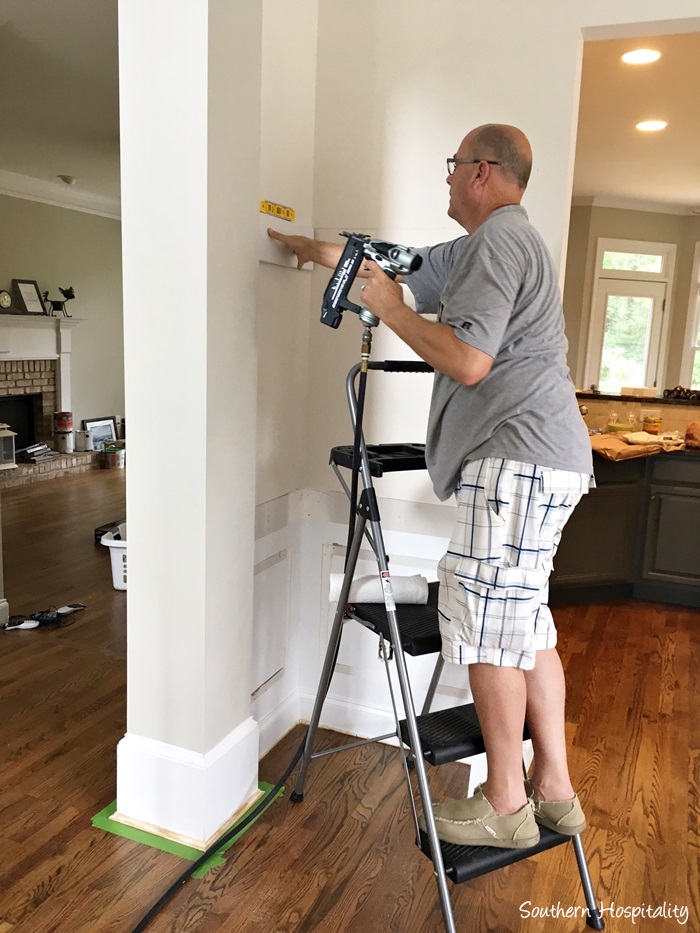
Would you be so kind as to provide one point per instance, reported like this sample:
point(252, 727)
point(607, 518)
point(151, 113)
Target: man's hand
point(301, 246)
point(308, 250)
point(380, 292)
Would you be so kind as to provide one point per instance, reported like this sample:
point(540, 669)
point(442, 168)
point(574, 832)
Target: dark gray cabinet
point(669, 568)
point(636, 535)
point(597, 554)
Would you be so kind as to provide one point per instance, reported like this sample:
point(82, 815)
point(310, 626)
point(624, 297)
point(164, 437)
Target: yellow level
point(277, 210)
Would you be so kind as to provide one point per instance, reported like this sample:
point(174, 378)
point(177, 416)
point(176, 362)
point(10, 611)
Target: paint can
point(63, 441)
point(62, 421)
point(114, 458)
point(84, 440)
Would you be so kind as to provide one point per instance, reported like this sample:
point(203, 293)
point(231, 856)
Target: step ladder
point(432, 738)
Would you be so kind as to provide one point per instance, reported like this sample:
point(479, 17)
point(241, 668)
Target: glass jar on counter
point(651, 420)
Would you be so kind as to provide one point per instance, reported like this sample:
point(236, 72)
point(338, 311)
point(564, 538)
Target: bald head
point(507, 145)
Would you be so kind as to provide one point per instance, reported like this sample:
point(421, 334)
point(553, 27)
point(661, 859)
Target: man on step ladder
point(506, 438)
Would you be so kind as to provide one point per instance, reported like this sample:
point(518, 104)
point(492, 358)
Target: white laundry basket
point(117, 553)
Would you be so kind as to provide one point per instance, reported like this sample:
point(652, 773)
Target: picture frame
point(104, 430)
point(27, 297)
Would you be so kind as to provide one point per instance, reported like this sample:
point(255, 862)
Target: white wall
point(286, 177)
point(57, 246)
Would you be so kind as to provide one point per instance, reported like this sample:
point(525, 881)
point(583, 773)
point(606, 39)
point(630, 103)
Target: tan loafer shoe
point(561, 816)
point(472, 822)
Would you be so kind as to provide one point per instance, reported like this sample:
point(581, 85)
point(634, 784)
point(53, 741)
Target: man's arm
point(433, 342)
point(322, 252)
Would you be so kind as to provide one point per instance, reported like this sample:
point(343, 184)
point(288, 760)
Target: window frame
point(596, 319)
point(691, 341)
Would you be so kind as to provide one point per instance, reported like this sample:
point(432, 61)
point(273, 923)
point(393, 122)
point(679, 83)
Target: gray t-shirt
point(499, 291)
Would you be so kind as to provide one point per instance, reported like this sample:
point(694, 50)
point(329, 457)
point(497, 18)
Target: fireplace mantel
point(40, 337)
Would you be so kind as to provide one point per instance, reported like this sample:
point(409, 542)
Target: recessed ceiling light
point(650, 126)
point(641, 56)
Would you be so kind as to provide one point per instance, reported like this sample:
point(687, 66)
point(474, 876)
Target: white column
point(63, 373)
point(190, 131)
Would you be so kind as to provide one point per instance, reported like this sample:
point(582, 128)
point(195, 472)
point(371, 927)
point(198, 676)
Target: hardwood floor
point(344, 859)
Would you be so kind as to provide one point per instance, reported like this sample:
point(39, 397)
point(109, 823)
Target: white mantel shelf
point(34, 336)
point(36, 320)
point(40, 337)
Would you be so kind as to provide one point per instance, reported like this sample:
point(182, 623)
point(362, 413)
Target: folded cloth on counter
point(641, 437)
point(613, 447)
point(411, 590)
point(669, 440)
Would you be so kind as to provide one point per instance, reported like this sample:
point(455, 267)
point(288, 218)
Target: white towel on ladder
point(407, 590)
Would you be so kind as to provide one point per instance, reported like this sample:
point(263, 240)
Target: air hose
point(215, 846)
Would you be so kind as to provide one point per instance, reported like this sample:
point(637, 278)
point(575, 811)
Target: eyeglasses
point(453, 163)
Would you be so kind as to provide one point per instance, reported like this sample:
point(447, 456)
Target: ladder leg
point(412, 725)
point(330, 660)
point(434, 681)
point(421, 775)
point(594, 919)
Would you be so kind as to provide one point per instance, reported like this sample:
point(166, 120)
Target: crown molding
point(59, 195)
point(631, 204)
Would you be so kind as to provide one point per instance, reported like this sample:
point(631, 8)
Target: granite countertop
point(651, 402)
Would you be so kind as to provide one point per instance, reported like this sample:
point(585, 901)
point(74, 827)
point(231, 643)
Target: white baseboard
point(349, 717)
point(275, 724)
point(4, 607)
point(183, 792)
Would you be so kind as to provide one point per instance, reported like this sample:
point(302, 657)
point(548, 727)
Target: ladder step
point(464, 863)
point(449, 734)
point(384, 458)
point(418, 625)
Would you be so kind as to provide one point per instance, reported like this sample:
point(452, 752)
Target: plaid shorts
point(494, 576)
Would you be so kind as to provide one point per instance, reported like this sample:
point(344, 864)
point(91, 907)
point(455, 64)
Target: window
point(632, 313)
point(632, 262)
point(628, 328)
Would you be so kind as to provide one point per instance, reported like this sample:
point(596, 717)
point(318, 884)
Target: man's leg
point(500, 700)
point(546, 694)
point(499, 813)
point(494, 618)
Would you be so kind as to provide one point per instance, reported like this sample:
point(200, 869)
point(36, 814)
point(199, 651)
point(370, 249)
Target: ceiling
point(59, 97)
point(614, 160)
point(59, 108)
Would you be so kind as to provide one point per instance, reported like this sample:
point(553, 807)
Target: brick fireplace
point(35, 358)
point(37, 379)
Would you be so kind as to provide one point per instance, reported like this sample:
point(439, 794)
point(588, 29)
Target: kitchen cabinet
point(597, 555)
point(669, 568)
point(637, 535)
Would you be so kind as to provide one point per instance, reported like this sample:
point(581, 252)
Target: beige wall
point(587, 225)
point(61, 247)
point(575, 285)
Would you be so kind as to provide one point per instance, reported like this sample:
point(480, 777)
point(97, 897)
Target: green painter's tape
point(102, 821)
